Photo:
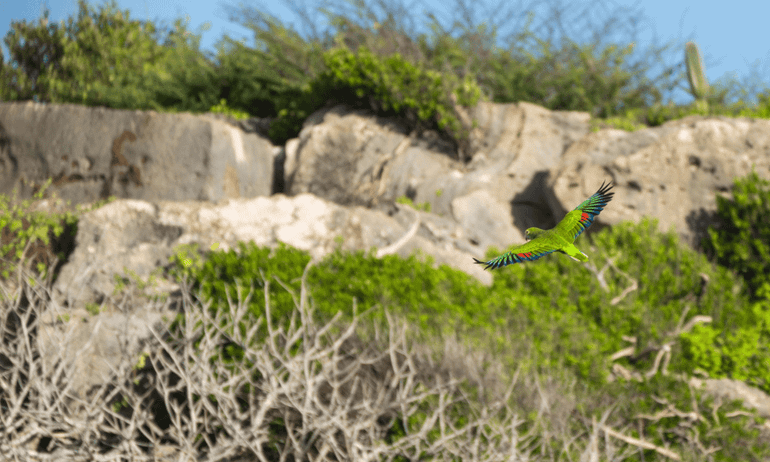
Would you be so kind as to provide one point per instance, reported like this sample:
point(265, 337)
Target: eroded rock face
point(671, 173)
point(130, 236)
point(95, 343)
point(729, 390)
point(94, 153)
point(353, 158)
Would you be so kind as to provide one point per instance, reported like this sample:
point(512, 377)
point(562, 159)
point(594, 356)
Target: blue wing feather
point(584, 214)
point(532, 250)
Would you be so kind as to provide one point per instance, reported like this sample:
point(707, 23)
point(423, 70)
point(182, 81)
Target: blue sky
point(732, 35)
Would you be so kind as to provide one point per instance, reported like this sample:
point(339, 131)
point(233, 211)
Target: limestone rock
point(353, 158)
point(136, 237)
point(93, 153)
point(671, 173)
point(728, 389)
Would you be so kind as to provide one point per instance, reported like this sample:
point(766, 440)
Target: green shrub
point(408, 287)
point(390, 85)
point(223, 273)
point(741, 239)
point(761, 110)
point(33, 236)
point(101, 57)
point(552, 316)
point(740, 352)
point(561, 307)
point(397, 85)
point(223, 108)
point(269, 76)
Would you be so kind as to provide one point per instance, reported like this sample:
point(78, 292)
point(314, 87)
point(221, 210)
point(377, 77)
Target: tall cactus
point(696, 74)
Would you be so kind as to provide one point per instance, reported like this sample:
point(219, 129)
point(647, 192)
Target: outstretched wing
point(575, 222)
point(532, 250)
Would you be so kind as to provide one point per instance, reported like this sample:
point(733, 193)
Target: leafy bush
point(574, 319)
point(38, 238)
point(269, 76)
point(762, 109)
point(102, 57)
point(223, 273)
point(409, 287)
point(741, 240)
point(387, 85)
point(739, 353)
point(398, 85)
point(578, 68)
point(224, 108)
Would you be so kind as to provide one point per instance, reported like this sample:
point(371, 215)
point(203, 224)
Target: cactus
point(696, 75)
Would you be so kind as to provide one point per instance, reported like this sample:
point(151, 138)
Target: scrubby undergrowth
point(304, 390)
point(554, 361)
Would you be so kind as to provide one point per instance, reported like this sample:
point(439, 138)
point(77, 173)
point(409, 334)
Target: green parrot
point(561, 238)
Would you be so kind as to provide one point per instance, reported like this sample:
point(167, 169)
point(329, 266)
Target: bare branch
point(640, 443)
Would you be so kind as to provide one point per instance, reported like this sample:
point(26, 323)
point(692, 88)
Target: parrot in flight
point(561, 238)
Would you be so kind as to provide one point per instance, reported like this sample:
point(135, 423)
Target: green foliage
point(31, 235)
point(224, 273)
point(572, 320)
point(603, 78)
point(741, 239)
point(630, 121)
point(396, 84)
point(739, 353)
point(387, 85)
point(573, 77)
point(402, 285)
point(761, 110)
point(552, 315)
point(575, 71)
point(102, 57)
point(223, 108)
point(92, 308)
point(269, 76)
point(184, 79)
point(425, 206)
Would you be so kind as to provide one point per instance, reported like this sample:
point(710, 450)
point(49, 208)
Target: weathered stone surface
point(92, 153)
point(531, 138)
point(671, 173)
point(728, 390)
point(137, 236)
point(340, 156)
point(94, 343)
point(354, 158)
point(480, 214)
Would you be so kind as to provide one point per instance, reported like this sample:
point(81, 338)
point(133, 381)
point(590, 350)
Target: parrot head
point(532, 233)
